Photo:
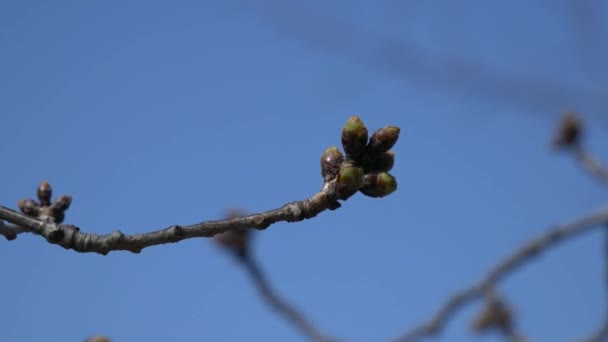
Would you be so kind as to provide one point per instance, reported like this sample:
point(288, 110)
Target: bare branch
point(407, 61)
point(602, 332)
point(585, 20)
point(497, 314)
point(239, 244)
point(70, 237)
point(10, 231)
point(569, 136)
point(523, 255)
point(590, 163)
point(291, 314)
point(7, 232)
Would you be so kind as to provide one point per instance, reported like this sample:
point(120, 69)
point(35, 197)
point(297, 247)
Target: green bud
point(349, 180)
point(330, 163)
point(385, 161)
point(378, 184)
point(354, 137)
point(382, 162)
point(383, 139)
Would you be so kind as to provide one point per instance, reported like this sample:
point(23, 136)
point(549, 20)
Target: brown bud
point(569, 131)
point(382, 162)
point(383, 139)
point(354, 137)
point(98, 339)
point(385, 161)
point(62, 203)
point(330, 163)
point(378, 184)
point(494, 315)
point(58, 216)
point(44, 193)
point(29, 207)
point(349, 180)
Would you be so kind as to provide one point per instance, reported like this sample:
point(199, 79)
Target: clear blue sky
point(156, 113)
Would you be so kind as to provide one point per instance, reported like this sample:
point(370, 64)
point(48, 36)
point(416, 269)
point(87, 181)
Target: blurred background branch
point(405, 60)
point(523, 255)
point(602, 331)
point(238, 243)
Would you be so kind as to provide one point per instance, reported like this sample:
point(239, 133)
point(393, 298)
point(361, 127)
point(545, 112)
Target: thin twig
point(10, 231)
point(590, 163)
point(586, 22)
point(70, 237)
point(601, 335)
point(7, 232)
point(523, 255)
point(412, 62)
point(291, 314)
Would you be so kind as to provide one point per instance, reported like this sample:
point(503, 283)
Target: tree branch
point(602, 331)
point(406, 60)
point(591, 164)
point(291, 314)
point(10, 231)
point(70, 237)
point(568, 136)
point(523, 255)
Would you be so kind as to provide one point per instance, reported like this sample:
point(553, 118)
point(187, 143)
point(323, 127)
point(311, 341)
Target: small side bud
point(98, 339)
point(494, 315)
point(349, 180)
point(29, 207)
point(354, 137)
point(569, 131)
point(378, 184)
point(331, 160)
point(62, 203)
point(44, 193)
point(383, 139)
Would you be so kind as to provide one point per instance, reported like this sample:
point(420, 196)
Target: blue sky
point(156, 113)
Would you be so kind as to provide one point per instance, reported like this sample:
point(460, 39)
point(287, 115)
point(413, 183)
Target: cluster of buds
point(44, 209)
point(366, 164)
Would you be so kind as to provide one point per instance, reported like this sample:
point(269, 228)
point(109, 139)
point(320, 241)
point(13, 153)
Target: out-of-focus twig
point(591, 164)
point(98, 339)
point(569, 137)
point(583, 19)
point(281, 306)
point(405, 60)
point(524, 254)
point(496, 314)
point(601, 335)
point(586, 26)
point(239, 244)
